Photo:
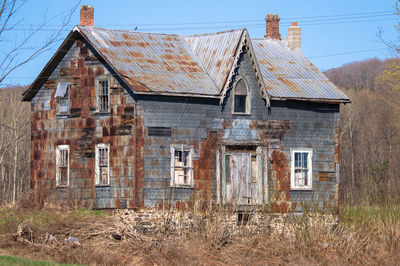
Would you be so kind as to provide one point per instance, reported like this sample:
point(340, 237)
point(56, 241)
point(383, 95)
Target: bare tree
point(10, 59)
point(14, 144)
point(393, 45)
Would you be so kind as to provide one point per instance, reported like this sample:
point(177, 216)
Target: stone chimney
point(272, 27)
point(294, 36)
point(87, 15)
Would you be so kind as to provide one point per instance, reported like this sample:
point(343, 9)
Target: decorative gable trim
point(245, 45)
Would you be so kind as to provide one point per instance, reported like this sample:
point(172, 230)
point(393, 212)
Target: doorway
point(242, 182)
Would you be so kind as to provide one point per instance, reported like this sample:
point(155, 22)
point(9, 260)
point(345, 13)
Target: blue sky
point(334, 32)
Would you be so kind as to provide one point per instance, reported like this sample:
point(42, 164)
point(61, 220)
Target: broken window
point(181, 165)
point(62, 98)
point(103, 91)
point(241, 99)
point(62, 165)
point(102, 165)
point(301, 169)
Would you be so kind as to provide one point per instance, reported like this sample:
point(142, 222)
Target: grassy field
point(362, 235)
point(8, 260)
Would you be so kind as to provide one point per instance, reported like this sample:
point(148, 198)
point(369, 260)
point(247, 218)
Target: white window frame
point(293, 186)
point(182, 147)
point(58, 105)
point(248, 97)
point(60, 148)
point(97, 164)
point(98, 95)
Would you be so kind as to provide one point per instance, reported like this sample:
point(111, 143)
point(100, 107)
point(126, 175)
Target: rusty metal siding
point(289, 74)
point(81, 130)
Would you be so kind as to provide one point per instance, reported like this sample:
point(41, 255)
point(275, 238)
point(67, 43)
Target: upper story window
point(62, 98)
point(103, 93)
point(301, 169)
point(102, 165)
point(181, 166)
point(62, 165)
point(241, 97)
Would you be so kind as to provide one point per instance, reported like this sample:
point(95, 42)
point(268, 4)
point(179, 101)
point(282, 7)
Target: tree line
point(370, 131)
point(14, 144)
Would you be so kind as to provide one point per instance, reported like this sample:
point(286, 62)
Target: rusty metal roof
point(200, 65)
point(288, 74)
point(149, 62)
point(216, 52)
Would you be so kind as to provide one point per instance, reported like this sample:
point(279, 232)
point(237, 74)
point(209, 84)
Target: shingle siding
point(140, 164)
point(312, 125)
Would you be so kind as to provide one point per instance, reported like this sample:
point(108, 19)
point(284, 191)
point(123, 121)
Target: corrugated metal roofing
point(289, 74)
point(160, 63)
point(216, 52)
point(200, 65)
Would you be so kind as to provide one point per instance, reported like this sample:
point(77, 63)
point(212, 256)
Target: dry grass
point(364, 235)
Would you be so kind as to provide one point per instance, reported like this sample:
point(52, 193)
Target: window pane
point(297, 159)
point(178, 158)
point(298, 178)
point(185, 158)
point(240, 104)
point(181, 167)
point(102, 165)
point(241, 88)
point(305, 159)
point(305, 176)
point(62, 167)
point(103, 95)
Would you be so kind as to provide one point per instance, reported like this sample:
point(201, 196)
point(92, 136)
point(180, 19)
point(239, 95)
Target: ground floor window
point(301, 169)
point(62, 165)
point(181, 165)
point(102, 165)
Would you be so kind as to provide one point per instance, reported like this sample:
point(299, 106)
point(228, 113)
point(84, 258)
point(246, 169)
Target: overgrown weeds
point(358, 235)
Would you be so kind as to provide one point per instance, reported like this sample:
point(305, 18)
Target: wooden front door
point(243, 182)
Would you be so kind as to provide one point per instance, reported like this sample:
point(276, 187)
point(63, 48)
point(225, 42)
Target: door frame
point(262, 172)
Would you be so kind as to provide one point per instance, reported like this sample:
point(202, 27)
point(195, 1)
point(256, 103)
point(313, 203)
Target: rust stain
point(290, 84)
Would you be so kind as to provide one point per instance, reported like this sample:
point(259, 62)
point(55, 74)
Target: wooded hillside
point(370, 131)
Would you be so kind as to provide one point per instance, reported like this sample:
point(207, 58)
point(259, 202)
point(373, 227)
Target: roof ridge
point(157, 33)
point(135, 32)
point(214, 33)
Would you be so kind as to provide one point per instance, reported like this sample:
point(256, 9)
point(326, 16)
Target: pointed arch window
point(241, 99)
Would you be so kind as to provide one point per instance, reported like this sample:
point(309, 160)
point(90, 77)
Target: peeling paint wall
point(141, 162)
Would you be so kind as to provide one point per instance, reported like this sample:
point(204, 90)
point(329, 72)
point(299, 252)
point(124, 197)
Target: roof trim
point(245, 45)
point(319, 100)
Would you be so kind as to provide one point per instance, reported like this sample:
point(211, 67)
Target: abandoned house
point(127, 119)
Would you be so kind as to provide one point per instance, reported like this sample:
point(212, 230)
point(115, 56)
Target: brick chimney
point(272, 27)
point(87, 15)
point(294, 36)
